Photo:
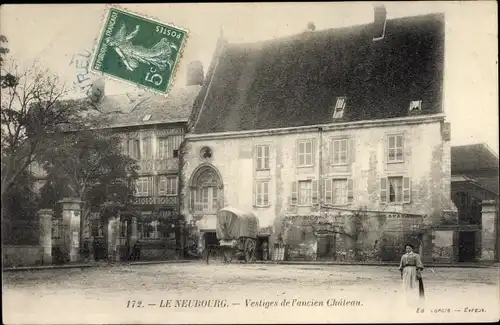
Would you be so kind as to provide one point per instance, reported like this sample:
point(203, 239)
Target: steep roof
point(472, 157)
point(294, 81)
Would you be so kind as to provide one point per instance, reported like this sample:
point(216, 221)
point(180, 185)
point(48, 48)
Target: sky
point(54, 33)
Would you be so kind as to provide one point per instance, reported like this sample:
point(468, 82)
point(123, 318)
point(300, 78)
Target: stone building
point(474, 185)
point(152, 128)
point(317, 130)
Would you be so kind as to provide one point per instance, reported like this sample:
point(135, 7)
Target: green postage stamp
point(138, 50)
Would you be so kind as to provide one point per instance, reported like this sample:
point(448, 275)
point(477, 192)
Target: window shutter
point(296, 154)
point(383, 190)
point(328, 191)
point(350, 192)
point(294, 193)
point(330, 151)
point(313, 160)
point(123, 146)
point(255, 185)
point(265, 194)
point(130, 146)
point(158, 147)
point(266, 157)
point(314, 191)
point(351, 148)
point(145, 147)
point(255, 155)
point(406, 190)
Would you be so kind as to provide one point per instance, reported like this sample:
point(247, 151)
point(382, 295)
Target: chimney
point(195, 73)
point(311, 27)
point(97, 92)
point(380, 18)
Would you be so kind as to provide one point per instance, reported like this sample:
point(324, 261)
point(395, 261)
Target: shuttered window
point(261, 193)
point(262, 157)
point(395, 148)
point(395, 189)
point(339, 191)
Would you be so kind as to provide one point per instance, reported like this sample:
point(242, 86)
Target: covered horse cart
point(237, 234)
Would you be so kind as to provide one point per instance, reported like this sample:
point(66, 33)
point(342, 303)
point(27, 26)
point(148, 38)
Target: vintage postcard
point(253, 163)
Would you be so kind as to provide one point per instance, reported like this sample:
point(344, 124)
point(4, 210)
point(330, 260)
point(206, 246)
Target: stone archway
point(206, 190)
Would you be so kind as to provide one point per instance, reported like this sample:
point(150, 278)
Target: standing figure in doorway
point(411, 275)
point(265, 251)
point(136, 251)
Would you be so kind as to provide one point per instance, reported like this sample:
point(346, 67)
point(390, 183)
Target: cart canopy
point(233, 224)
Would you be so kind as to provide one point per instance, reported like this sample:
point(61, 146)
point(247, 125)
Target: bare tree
point(30, 109)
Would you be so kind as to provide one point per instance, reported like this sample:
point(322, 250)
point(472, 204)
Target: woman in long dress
point(410, 268)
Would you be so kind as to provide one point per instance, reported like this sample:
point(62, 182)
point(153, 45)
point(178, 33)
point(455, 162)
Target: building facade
point(312, 130)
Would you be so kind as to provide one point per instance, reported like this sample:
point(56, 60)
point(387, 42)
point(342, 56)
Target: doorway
point(210, 240)
point(259, 250)
point(466, 246)
point(326, 247)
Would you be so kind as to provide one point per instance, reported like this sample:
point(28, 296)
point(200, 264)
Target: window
point(142, 186)
point(262, 152)
point(146, 146)
point(395, 190)
point(338, 191)
point(168, 147)
point(163, 148)
point(206, 153)
point(395, 148)
point(339, 151)
point(150, 230)
point(305, 153)
point(167, 185)
point(134, 148)
point(415, 105)
point(123, 147)
point(304, 193)
point(339, 107)
point(206, 199)
point(206, 192)
point(262, 193)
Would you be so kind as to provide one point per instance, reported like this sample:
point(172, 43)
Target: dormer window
point(339, 107)
point(146, 117)
point(415, 105)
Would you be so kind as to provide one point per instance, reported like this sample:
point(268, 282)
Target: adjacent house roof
point(133, 110)
point(478, 162)
point(472, 157)
point(294, 81)
point(155, 109)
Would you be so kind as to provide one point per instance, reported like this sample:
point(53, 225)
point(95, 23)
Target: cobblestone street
point(100, 295)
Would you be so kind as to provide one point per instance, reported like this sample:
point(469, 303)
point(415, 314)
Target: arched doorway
point(206, 190)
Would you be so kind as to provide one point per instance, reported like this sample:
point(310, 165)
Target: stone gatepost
point(133, 237)
point(182, 226)
point(114, 239)
point(489, 231)
point(45, 216)
point(71, 212)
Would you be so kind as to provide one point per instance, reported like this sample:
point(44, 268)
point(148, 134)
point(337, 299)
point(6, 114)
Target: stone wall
point(369, 236)
point(22, 255)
